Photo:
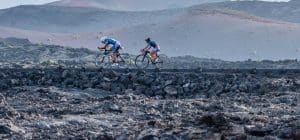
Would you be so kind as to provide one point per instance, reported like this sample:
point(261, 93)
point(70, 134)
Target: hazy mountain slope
point(219, 34)
point(74, 19)
point(223, 34)
point(132, 5)
point(286, 11)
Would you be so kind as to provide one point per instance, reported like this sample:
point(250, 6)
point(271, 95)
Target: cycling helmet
point(148, 39)
point(103, 38)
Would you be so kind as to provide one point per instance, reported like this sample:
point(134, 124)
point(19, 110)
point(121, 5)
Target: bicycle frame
point(105, 51)
point(146, 55)
point(106, 54)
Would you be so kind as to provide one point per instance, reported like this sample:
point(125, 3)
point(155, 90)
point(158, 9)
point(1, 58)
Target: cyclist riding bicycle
point(116, 46)
point(154, 48)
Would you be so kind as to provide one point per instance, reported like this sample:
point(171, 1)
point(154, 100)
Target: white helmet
point(103, 38)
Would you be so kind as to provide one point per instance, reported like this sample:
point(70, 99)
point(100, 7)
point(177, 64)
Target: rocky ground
point(149, 105)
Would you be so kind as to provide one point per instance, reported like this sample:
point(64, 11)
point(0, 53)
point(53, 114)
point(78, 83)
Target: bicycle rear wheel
point(159, 62)
point(142, 61)
point(124, 60)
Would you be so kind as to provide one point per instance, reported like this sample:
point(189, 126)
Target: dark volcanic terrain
point(60, 93)
point(55, 92)
point(166, 105)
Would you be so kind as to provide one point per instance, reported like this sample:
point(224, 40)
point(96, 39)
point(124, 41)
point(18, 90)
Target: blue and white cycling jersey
point(110, 41)
point(115, 44)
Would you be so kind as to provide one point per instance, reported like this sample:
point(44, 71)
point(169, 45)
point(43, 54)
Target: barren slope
point(285, 11)
point(222, 34)
point(77, 19)
point(131, 5)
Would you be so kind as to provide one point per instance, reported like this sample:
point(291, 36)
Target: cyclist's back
point(152, 44)
point(110, 41)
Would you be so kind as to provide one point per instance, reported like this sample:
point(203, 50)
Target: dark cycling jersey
point(152, 44)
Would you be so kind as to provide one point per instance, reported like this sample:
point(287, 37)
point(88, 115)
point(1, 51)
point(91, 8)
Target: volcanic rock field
point(230, 70)
point(149, 105)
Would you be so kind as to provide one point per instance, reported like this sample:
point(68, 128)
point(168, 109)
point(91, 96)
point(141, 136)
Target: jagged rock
point(117, 89)
point(9, 128)
point(4, 84)
point(171, 90)
point(233, 136)
point(258, 130)
point(5, 129)
point(287, 99)
point(149, 137)
point(140, 89)
point(186, 87)
point(114, 108)
point(215, 89)
point(168, 82)
point(296, 134)
point(129, 91)
point(106, 86)
point(65, 74)
point(2, 100)
point(217, 120)
point(105, 137)
point(168, 137)
point(43, 125)
point(145, 80)
point(285, 133)
point(69, 82)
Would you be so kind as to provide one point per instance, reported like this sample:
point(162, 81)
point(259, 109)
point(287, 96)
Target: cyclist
point(154, 48)
point(116, 46)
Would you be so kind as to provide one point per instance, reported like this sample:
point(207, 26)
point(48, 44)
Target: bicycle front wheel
point(142, 61)
point(102, 60)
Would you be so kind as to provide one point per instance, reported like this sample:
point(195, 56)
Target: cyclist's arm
point(106, 45)
point(147, 48)
point(103, 48)
point(100, 48)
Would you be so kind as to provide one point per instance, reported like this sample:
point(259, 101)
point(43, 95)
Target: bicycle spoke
point(102, 60)
point(142, 61)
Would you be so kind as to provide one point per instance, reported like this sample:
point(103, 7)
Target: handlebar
point(104, 49)
point(144, 51)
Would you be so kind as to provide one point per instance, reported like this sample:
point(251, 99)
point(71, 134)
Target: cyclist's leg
point(106, 52)
point(115, 52)
point(153, 54)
